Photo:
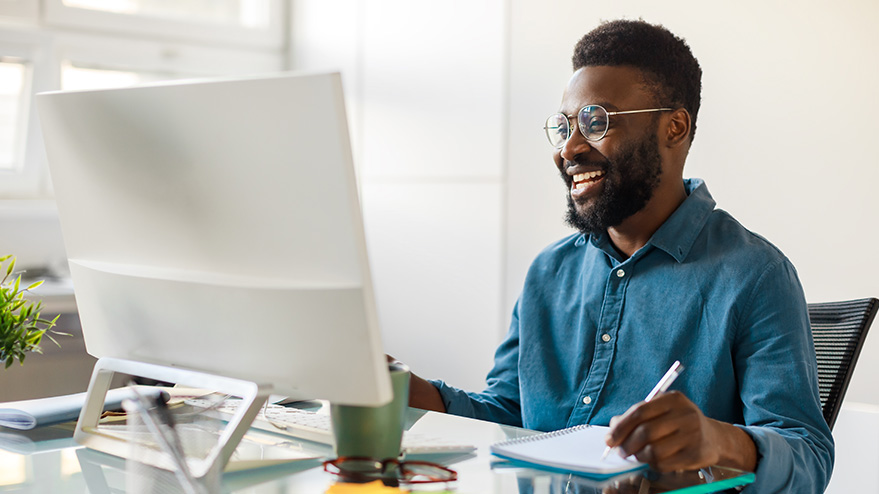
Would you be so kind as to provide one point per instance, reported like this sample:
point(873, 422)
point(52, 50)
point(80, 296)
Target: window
point(253, 23)
point(88, 44)
point(77, 77)
point(245, 13)
point(22, 55)
point(14, 96)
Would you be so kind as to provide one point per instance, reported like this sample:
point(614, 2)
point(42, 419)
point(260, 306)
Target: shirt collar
point(677, 235)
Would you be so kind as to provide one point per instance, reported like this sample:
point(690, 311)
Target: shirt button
point(587, 400)
point(605, 337)
point(620, 273)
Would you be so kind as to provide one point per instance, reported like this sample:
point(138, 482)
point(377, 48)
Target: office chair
point(838, 330)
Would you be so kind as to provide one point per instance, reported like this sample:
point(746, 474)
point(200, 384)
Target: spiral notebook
point(576, 450)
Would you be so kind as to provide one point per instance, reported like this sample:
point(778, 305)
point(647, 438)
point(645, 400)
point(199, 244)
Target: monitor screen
point(215, 225)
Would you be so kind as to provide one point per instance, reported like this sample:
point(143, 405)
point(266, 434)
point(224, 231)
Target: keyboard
point(316, 427)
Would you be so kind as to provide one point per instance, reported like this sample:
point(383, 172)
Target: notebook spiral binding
point(545, 435)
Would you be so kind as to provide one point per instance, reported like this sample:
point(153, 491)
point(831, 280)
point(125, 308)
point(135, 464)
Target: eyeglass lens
point(405, 471)
point(591, 119)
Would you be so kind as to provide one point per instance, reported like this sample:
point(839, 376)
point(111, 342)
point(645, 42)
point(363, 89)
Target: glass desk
point(47, 460)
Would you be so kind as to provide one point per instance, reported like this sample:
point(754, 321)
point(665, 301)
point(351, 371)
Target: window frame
point(161, 56)
point(45, 46)
point(272, 37)
point(29, 179)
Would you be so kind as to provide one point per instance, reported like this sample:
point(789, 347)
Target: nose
point(575, 146)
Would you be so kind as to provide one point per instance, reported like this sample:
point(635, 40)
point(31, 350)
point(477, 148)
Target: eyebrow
point(606, 104)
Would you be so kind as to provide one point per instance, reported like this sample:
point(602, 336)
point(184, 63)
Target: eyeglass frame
point(380, 474)
point(580, 128)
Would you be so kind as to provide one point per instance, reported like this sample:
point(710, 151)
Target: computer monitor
point(215, 225)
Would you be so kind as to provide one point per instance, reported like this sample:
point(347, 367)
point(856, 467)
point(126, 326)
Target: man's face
point(612, 179)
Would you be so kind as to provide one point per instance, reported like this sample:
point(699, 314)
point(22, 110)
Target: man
point(655, 275)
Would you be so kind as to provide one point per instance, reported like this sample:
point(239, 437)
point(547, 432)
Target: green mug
point(374, 432)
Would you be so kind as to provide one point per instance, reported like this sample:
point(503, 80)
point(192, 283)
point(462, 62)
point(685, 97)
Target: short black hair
point(670, 70)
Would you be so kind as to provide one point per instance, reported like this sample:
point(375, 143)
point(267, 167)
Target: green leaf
point(21, 326)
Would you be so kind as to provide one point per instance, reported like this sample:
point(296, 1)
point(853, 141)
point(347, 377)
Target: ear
point(677, 131)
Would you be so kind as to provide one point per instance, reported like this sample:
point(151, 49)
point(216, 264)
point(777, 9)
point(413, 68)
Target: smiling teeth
point(586, 176)
point(580, 179)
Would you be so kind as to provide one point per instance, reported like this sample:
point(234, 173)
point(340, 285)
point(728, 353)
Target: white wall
point(789, 115)
point(447, 101)
point(424, 83)
point(785, 141)
point(785, 134)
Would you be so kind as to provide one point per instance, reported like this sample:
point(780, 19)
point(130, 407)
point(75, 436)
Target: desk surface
point(48, 460)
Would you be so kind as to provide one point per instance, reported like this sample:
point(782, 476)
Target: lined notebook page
point(574, 450)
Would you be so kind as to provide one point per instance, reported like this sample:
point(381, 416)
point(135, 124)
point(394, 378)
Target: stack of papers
point(27, 414)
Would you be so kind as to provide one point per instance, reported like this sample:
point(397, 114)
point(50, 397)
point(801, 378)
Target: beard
point(631, 178)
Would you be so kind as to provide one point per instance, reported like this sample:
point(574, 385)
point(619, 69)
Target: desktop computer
point(213, 228)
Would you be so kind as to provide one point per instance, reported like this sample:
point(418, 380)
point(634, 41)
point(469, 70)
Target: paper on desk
point(40, 440)
point(374, 487)
point(27, 414)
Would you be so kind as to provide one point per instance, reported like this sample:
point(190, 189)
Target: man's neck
point(635, 231)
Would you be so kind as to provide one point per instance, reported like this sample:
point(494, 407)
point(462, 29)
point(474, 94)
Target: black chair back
point(839, 330)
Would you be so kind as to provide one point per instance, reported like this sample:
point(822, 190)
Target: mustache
point(603, 164)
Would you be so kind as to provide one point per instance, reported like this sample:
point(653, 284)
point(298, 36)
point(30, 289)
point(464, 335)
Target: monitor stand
point(88, 433)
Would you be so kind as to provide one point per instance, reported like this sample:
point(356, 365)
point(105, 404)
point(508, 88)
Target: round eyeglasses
point(359, 469)
point(593, 121)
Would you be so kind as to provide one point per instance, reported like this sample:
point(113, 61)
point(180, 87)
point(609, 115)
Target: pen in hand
point(661, 387)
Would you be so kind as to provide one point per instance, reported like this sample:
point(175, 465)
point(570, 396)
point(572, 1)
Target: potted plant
point(21, 328)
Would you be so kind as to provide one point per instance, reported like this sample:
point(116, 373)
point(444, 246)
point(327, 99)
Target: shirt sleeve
point(778, 376)
point(500, 401)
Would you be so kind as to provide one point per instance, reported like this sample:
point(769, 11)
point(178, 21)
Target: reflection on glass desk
point(48, 460)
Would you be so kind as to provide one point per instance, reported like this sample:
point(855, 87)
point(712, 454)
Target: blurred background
point(446, 101)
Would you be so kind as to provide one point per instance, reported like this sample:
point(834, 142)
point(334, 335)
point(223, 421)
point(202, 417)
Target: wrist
point(736, 449)
point(424, 395)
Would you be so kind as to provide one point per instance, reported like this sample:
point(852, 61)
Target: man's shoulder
point(725, 238)
point(561, 248)
point(560, 252)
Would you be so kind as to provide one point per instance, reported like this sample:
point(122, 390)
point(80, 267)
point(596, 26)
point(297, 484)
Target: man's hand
point(422, 394)
point(671, 433)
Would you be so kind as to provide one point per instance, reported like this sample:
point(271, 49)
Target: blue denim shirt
point(592, 333)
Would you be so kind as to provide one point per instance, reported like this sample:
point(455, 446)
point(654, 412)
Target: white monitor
point(215, 226)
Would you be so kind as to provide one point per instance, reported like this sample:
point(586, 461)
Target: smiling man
point(655, 274)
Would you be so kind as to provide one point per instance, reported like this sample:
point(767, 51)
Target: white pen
point(661, 387)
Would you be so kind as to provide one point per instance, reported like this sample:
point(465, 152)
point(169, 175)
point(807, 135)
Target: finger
point(672, 442)
point(607, 438)
point(635, 416)
point(668, 414)
point(652, 431)
point(670, 452)
point(690, 449)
